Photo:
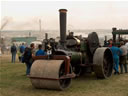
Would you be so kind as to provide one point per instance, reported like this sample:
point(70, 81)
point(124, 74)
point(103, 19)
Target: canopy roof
point(120, 32)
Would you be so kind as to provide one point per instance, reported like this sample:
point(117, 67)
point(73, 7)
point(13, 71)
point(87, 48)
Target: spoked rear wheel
point(64, 83)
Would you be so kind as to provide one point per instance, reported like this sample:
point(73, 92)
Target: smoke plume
point(4, 22)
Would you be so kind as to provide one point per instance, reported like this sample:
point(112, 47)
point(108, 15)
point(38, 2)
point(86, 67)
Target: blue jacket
point(22, 48)
point(116, 52)
point(40, 52)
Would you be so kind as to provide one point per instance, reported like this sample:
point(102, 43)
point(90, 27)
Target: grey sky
point(81, 14)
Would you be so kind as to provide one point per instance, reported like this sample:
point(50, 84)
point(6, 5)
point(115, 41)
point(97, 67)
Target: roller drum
point(46, 74)
point(103, 62)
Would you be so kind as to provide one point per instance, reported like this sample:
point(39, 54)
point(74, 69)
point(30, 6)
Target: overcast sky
point(25, 15)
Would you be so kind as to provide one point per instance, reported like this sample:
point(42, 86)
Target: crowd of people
point(119, 56)
point(25, 54)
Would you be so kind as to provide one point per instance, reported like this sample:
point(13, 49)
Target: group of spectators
point(26, 54)
point(119, 56)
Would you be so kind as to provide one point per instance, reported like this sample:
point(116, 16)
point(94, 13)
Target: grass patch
point(13, 82)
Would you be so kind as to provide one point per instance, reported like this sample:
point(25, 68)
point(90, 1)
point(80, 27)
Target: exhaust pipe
point(63, 26)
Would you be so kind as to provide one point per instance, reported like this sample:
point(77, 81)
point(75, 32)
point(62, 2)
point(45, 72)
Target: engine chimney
point(63, 26)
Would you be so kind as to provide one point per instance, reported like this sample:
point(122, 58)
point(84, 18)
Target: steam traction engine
point(70, 57)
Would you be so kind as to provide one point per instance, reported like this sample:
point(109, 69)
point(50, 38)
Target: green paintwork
point(28, 40)
point(120, 32)
point(76, 58)
point(83, 47)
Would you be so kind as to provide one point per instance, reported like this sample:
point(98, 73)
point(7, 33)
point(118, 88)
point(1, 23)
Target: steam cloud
point(5, 21)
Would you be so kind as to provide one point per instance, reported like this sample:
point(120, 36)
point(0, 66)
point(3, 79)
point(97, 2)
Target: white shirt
point(124, 50)
point(127, 45)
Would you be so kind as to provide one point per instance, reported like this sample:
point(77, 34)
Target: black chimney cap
point(63, 10)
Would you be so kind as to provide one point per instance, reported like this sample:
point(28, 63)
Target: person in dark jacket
point(116, 53)
point(13, 52)
point(21, 51)
point(22, 48)
point(28, 54)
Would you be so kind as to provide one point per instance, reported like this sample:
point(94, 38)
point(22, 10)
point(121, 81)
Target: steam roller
point(71, 57)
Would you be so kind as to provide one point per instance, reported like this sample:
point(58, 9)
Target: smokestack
point(63, 26)
point(46, 36)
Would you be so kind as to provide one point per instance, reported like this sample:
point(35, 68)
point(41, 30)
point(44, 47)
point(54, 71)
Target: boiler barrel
point(76, 58)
